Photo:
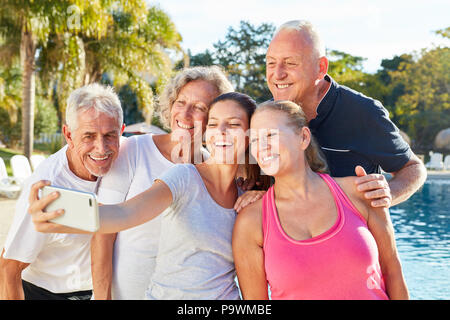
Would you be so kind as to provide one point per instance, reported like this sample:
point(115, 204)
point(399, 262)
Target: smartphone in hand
point(80, 208)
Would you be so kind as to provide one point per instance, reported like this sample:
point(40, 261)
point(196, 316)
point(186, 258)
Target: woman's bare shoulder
point(249, 223)
point(356, 197)
point(251, 212)
point(348, 185)
point(250, 217)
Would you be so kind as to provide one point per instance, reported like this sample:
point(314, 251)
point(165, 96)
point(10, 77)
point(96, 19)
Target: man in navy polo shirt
point(352, 129)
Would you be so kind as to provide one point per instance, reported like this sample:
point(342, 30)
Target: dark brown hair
point(252, 171)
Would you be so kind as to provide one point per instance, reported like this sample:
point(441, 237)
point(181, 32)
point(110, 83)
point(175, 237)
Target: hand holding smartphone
point(80, 208)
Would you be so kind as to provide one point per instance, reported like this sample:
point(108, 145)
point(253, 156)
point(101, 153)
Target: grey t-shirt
point(194, 259)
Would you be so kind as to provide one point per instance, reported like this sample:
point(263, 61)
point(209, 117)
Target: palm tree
point(71, 43)
point(24, 26)
point(10, 100)
point(129, 43)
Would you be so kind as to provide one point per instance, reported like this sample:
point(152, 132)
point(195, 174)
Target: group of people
point(311, 220)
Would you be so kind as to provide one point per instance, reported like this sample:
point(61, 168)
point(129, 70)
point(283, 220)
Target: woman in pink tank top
point(310, 236)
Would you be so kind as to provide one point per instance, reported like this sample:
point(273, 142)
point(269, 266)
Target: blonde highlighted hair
point(297, 120)
point(214, 75)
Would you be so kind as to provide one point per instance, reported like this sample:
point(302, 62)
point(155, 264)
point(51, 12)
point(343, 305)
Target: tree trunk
point(27, 53)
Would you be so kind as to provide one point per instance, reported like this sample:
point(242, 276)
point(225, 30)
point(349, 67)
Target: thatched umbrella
point(442, 140)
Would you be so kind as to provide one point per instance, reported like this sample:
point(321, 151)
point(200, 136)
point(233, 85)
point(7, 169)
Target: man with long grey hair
point(353, 131)
point(40, 266)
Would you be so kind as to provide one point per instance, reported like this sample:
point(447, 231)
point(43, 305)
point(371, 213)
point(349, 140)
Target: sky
point(375, 30)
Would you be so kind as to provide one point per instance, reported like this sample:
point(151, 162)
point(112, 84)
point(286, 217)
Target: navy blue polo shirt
point(353, 129)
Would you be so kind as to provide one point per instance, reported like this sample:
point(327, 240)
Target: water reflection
point(423, 239)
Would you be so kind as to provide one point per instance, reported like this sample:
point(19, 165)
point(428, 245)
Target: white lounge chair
point(36, 160)
point(436, 162)
point(447, 162)
point(21, 168)
point(8, 187)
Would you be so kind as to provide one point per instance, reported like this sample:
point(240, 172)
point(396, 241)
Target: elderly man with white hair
point(38, 266)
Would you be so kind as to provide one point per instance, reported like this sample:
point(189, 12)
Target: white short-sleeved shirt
point(195, 259)
point(135, 249)
point(60, 263)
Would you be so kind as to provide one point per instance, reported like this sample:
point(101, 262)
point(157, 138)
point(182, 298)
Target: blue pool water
point(422, 226)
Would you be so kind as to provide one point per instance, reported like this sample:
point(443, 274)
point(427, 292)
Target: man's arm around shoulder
point(406, 181)
point(403, 184)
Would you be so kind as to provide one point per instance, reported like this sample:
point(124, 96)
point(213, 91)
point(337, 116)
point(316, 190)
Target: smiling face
point(291, 66)
point(226, 132)
point(93, 145)
point(191, 106)
point(275, 144)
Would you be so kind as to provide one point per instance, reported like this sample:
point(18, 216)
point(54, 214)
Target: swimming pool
point(422, 226)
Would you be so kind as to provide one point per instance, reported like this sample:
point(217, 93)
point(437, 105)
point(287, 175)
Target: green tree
point(10, 91)
point(344, 66)
point(71, 43)
point(131, 48)
point(201, 59)
point(10, 100)
point(444, 32)
point(424, 108)
point(386, 89)
point(46, 119)
point(243, 54)
point(347, 69)
point(24, 26)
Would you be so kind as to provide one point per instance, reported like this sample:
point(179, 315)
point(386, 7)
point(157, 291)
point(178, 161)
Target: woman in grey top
point(195, 258)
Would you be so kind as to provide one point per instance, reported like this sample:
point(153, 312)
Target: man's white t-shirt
point(60, 263)
point(135, 249)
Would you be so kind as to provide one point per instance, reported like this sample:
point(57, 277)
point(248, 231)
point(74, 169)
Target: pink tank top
point(341, 263)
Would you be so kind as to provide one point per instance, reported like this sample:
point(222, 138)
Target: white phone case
point(80, 208)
